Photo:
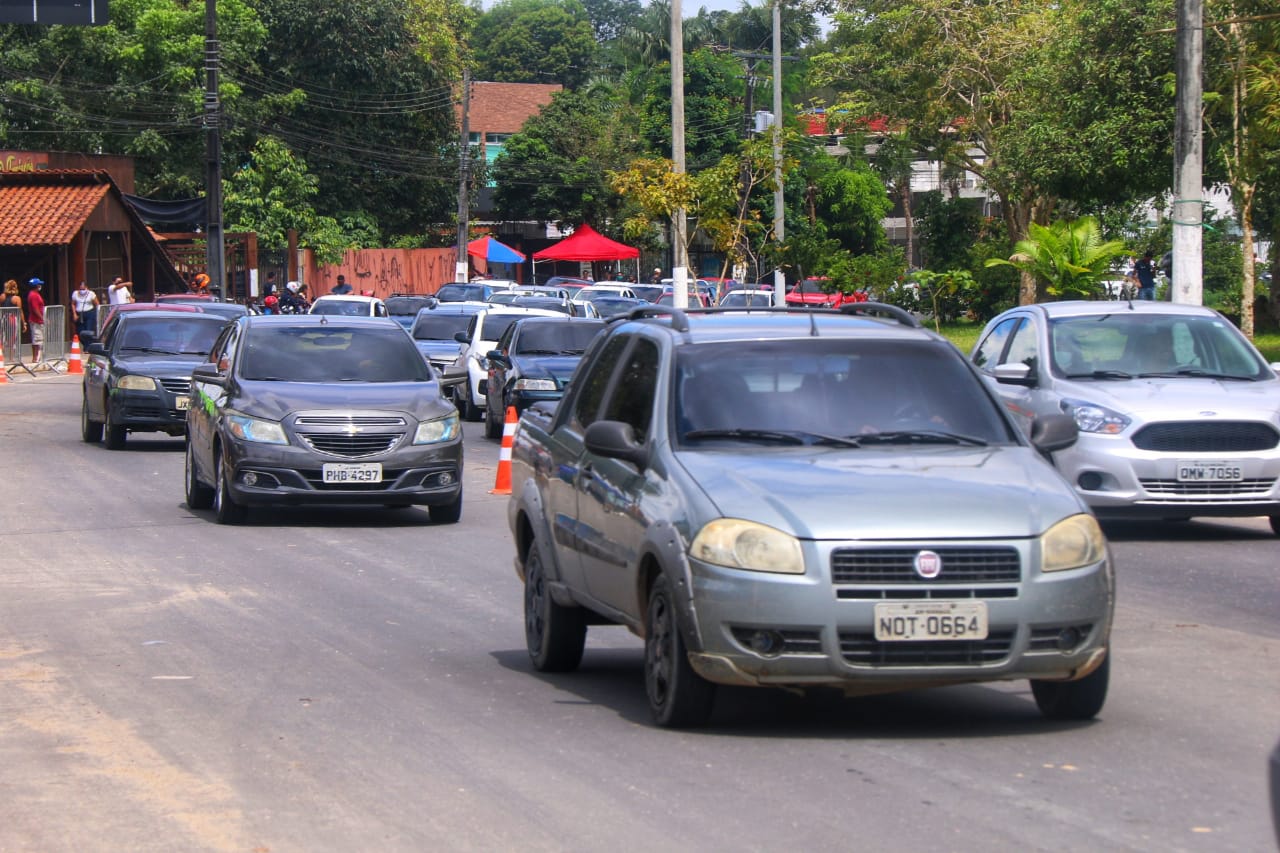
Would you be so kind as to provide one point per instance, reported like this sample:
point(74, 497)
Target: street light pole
point(679, 224)
point(779, 209)
point(215, 258)
point(1188, 165)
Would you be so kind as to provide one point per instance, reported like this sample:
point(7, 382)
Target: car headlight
point(740, 544)
point(535, 385)
point(438, 430)
point(254, 429)
point(136, 383)
point(1090, 417)
point(1072, 543)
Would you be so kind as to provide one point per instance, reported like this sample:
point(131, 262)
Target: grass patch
point(1268, 345)
point(965, 334)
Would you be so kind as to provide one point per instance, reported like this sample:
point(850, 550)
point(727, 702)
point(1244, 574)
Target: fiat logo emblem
point(928, 564)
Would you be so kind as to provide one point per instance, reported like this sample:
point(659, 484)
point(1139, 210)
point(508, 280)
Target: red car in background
point(813, 292)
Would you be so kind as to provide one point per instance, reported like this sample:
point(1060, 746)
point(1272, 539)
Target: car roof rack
point(679, 320)
point(902, 315)
point(893, 312)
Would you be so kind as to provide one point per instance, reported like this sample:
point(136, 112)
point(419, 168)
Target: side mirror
point(498, 356)
point(208, 373)
point(1015, 373)
point(1054, 432)
point(461, 337)
point(616, 440)
point(96, 349)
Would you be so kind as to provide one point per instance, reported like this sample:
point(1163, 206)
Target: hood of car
point(557, 367)
point(157, 363)
point(277, 400)
point(1180, 398)
point(886, 493)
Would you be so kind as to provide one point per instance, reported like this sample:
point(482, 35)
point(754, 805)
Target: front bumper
point(287, 475)
point(160, 410)
point(1043, 626)
point(1119, 480)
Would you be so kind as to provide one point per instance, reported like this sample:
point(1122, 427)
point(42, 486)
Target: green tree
point(535, 41)
point(1071, 258)
point(1041, 99)
point(713, 102)
point(556, 168)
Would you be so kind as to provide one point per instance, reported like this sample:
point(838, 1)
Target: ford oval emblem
point(928, 564)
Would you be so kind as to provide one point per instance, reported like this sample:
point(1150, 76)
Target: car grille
point(1242, 490)
point(896, 566)
point(176, 384)
point(1206, 437)
point(346, 420)
point(351, 446)
point(861, 649)
point(949, 593)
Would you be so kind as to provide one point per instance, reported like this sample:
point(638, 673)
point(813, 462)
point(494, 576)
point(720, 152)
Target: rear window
point(461, 293)
point(407, 305)
point(439, 327)
point(340, 307)
point(327, 354)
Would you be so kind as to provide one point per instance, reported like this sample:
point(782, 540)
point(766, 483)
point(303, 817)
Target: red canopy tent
point(586, 244)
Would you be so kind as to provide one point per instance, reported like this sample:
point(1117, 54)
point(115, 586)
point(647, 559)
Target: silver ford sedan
point(1179, 415)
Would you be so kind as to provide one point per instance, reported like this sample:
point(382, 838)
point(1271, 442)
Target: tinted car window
point(462, 293)
point(194, 335)
point(341, 307)
point(597, 380)
point(1024, 347)
point(633, 393)
point(439, 327)
point(988, 353)
point(550, 338)
point(318, 354)
point(832, 386)
point(648, 292)
point(496, 324)
point(400, 306)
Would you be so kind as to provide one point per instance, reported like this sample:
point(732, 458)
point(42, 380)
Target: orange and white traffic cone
point(74, 364)
point(4, 371)
point(502, 485)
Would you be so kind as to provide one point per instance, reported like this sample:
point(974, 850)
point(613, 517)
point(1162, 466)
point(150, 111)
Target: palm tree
point(1071, 258)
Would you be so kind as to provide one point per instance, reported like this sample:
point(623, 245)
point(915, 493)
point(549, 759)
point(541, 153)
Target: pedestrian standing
point(84, 305)
point(119, 292)
point(17, 323)
point(342, 288)
point(656, 278)
point(35, 318)
point(1145, 272)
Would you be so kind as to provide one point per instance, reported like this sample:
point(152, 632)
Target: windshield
point(193, 335)
point(439, 327)
point(648, 292)
point(555, 338)
point(496, 325)
point(1127, 344)
point(328, 354)
point(461, 293)
point(739, 299)
point(845, 391)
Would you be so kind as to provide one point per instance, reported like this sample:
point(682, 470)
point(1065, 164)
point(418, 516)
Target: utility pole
point(215, 257)
point(680, 248)
point(464, 179)
point(779, 282)
point(1188, 178)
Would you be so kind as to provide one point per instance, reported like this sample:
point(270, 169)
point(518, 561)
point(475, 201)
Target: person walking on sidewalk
point(35, 318)
point(84, 305)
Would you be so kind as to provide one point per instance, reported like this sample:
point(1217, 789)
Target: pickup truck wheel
point(91, 430)
point(199, 496)
point(678, 696)
point(1074, 700)
point(553, 633)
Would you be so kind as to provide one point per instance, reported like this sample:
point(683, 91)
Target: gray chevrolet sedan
point(318, 409)
point(800, 498)
point(1179, 415)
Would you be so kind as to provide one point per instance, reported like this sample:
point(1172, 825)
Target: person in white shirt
point(84, 305)
point(120, 291)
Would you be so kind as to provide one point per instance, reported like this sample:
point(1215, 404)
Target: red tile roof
point(504, 107)
point(47, 215)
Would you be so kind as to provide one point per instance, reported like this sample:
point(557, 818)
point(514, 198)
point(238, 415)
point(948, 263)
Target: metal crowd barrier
point(11, 340)
point(56, 345)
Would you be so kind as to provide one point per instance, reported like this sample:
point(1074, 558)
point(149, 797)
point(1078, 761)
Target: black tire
point(492, 428)
point(678, 696)
point(115, 436)
point(225, 508)
point(555, 635)
point(449, 513)
point(199, 496)
point(90, 430)
point(467, 410)
point(1275, 524)
point(1074, 700)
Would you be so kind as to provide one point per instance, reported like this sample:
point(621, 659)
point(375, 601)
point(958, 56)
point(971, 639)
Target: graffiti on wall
point(386, 271)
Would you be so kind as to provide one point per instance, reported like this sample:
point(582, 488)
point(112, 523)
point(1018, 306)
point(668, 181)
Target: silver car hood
point(886, 493)
point(1181, 398)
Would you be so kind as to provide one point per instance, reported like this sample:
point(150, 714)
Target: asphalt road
point(350, 680)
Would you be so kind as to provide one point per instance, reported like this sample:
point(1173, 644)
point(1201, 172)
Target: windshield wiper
point(1201, 373)
point(771, 435)
point(539, 352)
point(1101, 374)
point(154, 350)
point(921, 436)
